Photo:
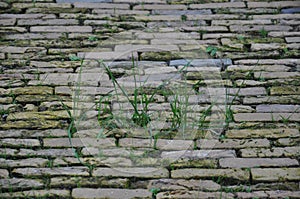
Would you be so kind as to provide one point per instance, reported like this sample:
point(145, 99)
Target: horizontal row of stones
point(163, 6)
point(89, 193)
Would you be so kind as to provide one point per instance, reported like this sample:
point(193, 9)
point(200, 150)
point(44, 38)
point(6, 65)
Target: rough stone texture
point(215, 85)
point(110, 193)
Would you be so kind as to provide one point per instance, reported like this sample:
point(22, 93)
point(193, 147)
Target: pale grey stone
point(257, 162)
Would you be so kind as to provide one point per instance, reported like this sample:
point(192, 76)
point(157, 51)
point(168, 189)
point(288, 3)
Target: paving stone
point(218, 5)
point(180, 184)
point(262, 133)
point(20, 184)
point(233, 174)
point(30, 162)
point(54, 193)
point(264, 117)
point(232, 143)
point(257, 162)
point(3, 174)
point(192, 194)
point(61, 171)
point(274, 152)
point(110, 193)
point(138, 172)
point(275, 174)
point(86, 29)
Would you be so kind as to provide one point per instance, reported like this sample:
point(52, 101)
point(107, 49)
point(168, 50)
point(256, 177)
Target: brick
point(273, 108)
point(78, 142)
point(233, 174)
point(262, 133)
point(26, 22)
point(87, 29)
point(159, 7)
point(86, 193)
point(101, 5)
point(51, 193)
point(28, 16)
point(292, 39)
point(275, 174)
point(257, 162)
point(277, 4)
point(274, 152)
point(61, 171)
point(218, 5)
point(138, 172)
point(232, 143)
point(266, 117)
point(145, 48)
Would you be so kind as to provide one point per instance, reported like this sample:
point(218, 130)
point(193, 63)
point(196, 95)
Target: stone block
point(218, 5)
point(63, 29)
point(275, 174)
point(262, 133)
point(86, 193)
point(257, 162)
point(266, 117)
point(274, 152)
point(101, 5)
point(61, 171)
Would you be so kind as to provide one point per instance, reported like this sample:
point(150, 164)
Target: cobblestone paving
point(149, 99)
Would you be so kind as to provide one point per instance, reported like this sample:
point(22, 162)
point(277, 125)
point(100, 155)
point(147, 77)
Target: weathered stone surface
point(20, 142)
point(159, 7)
point(232, 143)
point(139, 172)
point(83, 193)
point(20, 184)
point(89, 182)
point(54, 193)
point(277, 108)
point(30, 162)
point(233, 174)
point(26, 22)
point(101, 5)
point(218, 5)
point(163, 144)
point(274, 152)
point(86, 29)
point(3, 174)
point(47, 153)
point(79, 142)
point(199, 154)
point(275, 174)
point(281, 4)
point(283, 194)
point(262, 133)
point(274, 75)
point(192, 194)
point(257, 194)
point(62, 171)
point(45, 115)
point(290, 99)
point(257, 162)
point(174, 184)
point(280, 90)
point(264, 117)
